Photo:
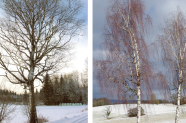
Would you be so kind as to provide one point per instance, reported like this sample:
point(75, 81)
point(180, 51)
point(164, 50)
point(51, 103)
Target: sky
point(158, 10)
point(80, 53)
point(81, 45)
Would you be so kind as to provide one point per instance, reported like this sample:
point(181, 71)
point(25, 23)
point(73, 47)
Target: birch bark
point(139, 105)
point(138, 81)
point(178, 99)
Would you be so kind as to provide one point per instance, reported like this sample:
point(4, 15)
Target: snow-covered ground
point(162, 113)
point(55, 114)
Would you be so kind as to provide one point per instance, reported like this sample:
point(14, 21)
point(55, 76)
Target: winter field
point(55, 114)
point(162, 113)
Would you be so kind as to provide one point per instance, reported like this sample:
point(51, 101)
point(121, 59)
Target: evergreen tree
point(47, 91)
point(25, 98)
point(66, 92)
point(72, 90)
point(36, 94)
point(80, 97)
point(61, 84)
point(56, 87)
point(63, 89)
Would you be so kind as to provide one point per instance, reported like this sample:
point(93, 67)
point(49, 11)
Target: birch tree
point(124, 68)
point(173, 43)
point(35, 38)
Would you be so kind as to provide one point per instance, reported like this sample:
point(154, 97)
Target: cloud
point(96, 89)
point(99, 14)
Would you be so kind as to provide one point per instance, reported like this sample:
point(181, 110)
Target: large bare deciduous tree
point(173, 43)
point(124, 68)
point(35, 38)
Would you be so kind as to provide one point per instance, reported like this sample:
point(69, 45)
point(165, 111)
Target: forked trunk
point(178, 104)
point(138, 105)
point(33, 114)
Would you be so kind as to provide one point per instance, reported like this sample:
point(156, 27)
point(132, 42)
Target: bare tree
point(173, 43)
point(84, 75)
point(124, 68)
point(6, 107)
point(84, 79)
point(35, 38)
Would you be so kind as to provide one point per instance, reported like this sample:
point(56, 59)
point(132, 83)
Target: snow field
point(153, 114)
point(55, 114)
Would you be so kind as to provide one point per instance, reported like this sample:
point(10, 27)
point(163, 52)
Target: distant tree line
point(154, 100)
point(64, 89)
point(10, 96)
point(101, 101)
point(68, 88)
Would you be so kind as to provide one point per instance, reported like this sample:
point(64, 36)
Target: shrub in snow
point(6, 109)
point(42, 119)
point(86, 109)
point(134, 111)
point(107, 111)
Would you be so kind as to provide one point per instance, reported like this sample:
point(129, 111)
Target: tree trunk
point(33, 114)
point(138, 105)
point(178, 104)
point(138, 79)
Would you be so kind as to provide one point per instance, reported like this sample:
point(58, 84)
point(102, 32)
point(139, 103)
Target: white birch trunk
point(138, 81)
point(179, 88)
point(178, 104)
point(139, 105)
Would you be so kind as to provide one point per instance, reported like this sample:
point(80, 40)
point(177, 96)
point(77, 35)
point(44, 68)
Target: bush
point(6, 109)
point(86, 109)
point(107, 111)
point(157, 102)
point(42, 119)
point(134, 111)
